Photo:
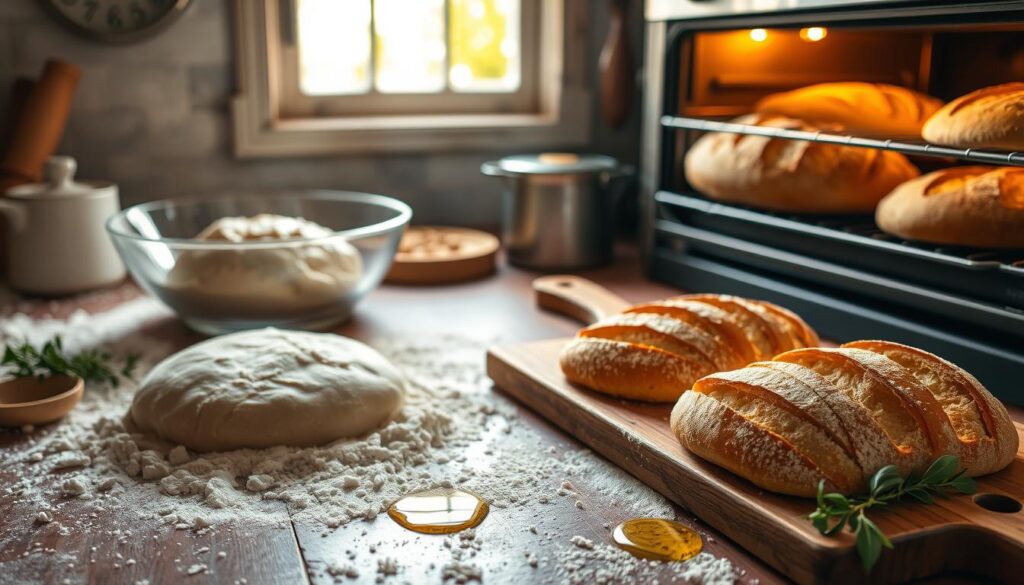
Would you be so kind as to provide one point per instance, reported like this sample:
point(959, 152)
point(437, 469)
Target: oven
point(707, 62)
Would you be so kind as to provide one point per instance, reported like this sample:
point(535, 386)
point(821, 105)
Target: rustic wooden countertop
point(500, 307)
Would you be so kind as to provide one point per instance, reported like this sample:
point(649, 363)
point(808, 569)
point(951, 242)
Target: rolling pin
point(39, 125)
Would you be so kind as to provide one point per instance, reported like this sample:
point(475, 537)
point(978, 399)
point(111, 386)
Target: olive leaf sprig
point(836, 511)
point(92, 365)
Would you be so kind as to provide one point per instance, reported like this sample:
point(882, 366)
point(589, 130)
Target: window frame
point(295, 104)
point(556, 112)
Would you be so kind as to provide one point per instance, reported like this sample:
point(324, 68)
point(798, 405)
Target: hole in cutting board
point(998, 503)
point(565, 283)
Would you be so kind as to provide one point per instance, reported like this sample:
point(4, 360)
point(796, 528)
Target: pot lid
point(553, 163)
point(59, 174)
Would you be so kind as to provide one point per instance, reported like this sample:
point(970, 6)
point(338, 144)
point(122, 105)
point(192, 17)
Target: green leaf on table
point(941, 470)
point(886, 486)
point(91, 365)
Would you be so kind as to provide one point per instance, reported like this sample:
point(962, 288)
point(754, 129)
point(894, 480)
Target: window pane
point(484, 37)
point(334, 46)
point(410, 45)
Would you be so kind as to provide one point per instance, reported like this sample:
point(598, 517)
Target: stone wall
point(154, 118)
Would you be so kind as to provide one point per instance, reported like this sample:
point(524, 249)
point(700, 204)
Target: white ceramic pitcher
point(56, 238)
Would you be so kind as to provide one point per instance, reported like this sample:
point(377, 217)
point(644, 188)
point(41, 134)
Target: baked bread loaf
point(655, 351)
point(841, 414)
point(875, 109)
point(962, 206)
point(992, 117)
point(793, 175)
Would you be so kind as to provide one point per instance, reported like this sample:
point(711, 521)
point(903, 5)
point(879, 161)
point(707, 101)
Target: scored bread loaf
point(841, 414)
point(992, 117)
point(793, 175)
point(962, 206)
point(860, 108)
point(655, 351)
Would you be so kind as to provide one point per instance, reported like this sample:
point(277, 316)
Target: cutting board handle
point(579, 298)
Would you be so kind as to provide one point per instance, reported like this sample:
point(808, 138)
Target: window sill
point(428, 133)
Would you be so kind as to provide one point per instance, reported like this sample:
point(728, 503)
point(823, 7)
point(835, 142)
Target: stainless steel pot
point(558, 209)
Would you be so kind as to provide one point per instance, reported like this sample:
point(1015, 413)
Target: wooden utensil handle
point(576, 297)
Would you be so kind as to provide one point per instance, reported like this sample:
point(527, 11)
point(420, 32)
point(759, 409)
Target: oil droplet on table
point(439, 510)
point(657, 539)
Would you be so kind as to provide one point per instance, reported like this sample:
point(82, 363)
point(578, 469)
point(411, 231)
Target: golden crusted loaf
point(875, 109)
point(963, 206)
point(793, 175)
point(841, 414)
point(992, 117)
point(655, 351)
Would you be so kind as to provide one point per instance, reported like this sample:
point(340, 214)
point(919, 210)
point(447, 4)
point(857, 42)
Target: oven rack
point(857, 230)
point(905, 146)
point(854, 242)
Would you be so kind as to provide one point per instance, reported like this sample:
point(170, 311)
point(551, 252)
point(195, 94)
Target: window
point(331, 76)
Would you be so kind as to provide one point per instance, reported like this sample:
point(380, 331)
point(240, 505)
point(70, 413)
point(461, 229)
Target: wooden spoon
point(579, 298)
point(28, 400)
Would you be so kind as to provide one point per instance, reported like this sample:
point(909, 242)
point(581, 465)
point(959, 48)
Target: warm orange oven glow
point(814, 33)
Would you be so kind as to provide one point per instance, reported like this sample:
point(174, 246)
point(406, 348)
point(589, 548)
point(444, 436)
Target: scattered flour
point(93, 455)
point(602, 563)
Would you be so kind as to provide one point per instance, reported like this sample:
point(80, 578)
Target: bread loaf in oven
point(992, 117)
point(871, 109)
point(793, 175)
point(962, 206)
point(841, 414)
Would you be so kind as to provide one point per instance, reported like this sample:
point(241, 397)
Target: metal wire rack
point(904, 146)
point(856, 230)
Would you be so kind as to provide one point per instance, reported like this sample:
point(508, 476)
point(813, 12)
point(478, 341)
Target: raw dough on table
point(289, 277)
point(268, 387)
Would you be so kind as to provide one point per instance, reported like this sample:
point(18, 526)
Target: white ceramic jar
point(56, 238)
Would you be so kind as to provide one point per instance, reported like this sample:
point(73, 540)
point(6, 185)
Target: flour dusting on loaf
point(838, 415)
point(655, 351)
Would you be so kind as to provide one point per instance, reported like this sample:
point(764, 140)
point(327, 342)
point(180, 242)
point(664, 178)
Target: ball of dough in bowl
point(268, 387)
point(254, 282)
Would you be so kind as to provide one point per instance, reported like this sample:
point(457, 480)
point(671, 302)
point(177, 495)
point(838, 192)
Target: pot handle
point(15, 213)
point(491, 168)
point(619, 172)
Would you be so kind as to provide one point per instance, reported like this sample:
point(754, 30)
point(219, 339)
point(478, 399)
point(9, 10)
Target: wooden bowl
point(31, 401)
point(443, 255)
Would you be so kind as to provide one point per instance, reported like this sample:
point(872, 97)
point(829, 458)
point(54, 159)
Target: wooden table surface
point(500, 307)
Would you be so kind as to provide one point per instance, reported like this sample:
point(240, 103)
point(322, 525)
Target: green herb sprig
point(91, 365)
point(835, 511)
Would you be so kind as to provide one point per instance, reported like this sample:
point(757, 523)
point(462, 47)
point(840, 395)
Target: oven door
point(708, 64)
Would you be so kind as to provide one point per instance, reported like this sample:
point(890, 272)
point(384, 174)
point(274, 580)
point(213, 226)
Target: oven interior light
point(814, 33)
point(758, 35)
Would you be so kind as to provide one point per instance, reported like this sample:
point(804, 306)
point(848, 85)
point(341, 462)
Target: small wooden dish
point(30, 401)
point(441, 255)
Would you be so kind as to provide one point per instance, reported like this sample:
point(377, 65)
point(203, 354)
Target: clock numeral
point(114, 17)
point(91, 6)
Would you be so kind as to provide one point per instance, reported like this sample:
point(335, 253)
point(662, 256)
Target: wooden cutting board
point(956, 534)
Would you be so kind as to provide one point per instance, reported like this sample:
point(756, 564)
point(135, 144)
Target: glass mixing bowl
point(302, 283)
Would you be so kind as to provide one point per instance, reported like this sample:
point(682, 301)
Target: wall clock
point(117, 21)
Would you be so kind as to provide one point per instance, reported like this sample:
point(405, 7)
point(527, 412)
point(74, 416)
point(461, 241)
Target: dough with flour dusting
point(268, 387)
point(292, 277)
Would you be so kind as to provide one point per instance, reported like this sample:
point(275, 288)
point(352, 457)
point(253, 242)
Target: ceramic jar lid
point(550, 163)
point(59, 174)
